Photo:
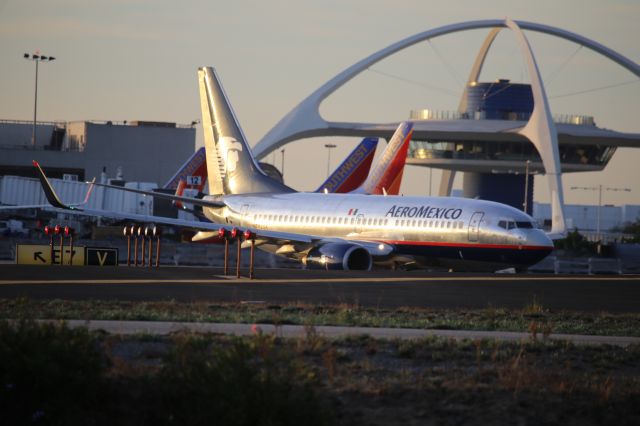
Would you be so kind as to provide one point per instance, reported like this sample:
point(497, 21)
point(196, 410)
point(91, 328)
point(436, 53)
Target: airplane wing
point(55, 201)
point(24, 206)
point(191, 200)
point(56, 198)
point(58, 205)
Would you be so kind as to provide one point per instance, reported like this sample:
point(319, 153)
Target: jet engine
point(342, 256)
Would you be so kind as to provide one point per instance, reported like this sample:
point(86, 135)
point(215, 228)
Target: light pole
point(526, 187)
point(599, 188)
point(282, 166)
point(329, 146)
point(36, 57)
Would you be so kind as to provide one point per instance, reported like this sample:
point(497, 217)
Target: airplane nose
point(539, 238)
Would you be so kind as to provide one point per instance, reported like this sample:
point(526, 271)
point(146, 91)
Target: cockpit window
point(510, 224)
point(506, 224)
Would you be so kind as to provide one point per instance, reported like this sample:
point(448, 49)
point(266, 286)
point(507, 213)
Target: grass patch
point(532, 318)
point(50, 374)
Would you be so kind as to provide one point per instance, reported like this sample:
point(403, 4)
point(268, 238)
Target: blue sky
point(137, 60)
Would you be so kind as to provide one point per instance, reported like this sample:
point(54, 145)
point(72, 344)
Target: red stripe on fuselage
point(467, 245)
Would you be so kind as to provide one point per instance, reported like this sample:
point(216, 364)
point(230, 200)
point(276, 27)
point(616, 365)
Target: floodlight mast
point(36, 57)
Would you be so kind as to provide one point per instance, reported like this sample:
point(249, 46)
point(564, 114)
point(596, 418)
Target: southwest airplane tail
point(193, 173)
point(231, 165)
point(353, 171)
point(386, 176)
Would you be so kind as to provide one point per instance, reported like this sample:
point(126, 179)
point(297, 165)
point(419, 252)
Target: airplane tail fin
point(386, 176)
point(231, 166)
point(354, 169)
point(193, 172)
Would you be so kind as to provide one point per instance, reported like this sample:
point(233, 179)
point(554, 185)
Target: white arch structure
point(305, 120)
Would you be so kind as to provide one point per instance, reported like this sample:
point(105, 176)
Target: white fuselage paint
point(424, 223)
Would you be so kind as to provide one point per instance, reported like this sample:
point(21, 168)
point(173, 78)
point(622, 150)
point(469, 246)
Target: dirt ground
point(440, 381)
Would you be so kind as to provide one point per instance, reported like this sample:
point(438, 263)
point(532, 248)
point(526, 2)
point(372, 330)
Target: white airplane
point(344, 231)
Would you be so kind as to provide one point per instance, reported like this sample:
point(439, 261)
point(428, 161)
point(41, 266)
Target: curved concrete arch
point(476, 69)
point(305, 121)
point(541, 131)
point(446, 182)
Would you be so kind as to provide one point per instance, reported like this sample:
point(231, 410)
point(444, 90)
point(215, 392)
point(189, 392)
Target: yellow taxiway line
point(228, 280)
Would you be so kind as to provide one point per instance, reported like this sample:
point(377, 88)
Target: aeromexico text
point(425, 212)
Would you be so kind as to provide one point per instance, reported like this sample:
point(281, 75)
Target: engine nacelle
point(343, 256)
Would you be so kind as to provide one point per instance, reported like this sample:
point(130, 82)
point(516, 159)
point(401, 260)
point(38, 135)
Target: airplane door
point(474, 226)
point(359, 222)
point(244, 219)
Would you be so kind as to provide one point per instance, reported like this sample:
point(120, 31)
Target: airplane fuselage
point(451, 232)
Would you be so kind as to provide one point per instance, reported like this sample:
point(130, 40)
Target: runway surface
point(384, 289)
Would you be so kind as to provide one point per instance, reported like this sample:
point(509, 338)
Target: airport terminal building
point(144, 151)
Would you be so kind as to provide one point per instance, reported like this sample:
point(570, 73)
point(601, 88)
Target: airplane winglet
point(91, 186)
point(49, 192)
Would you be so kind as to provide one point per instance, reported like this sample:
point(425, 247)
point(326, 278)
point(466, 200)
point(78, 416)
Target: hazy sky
point(137, 60)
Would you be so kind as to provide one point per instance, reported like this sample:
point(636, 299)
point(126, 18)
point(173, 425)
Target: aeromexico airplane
point(346, 231)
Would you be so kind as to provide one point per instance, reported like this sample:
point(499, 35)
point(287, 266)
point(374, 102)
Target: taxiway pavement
point(384, 289)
